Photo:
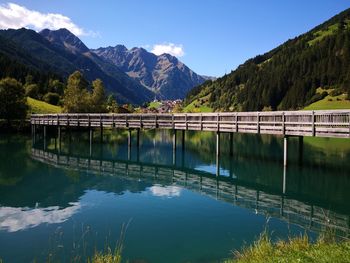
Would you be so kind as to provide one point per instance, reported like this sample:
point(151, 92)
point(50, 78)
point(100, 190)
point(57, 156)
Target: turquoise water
point(64, 203)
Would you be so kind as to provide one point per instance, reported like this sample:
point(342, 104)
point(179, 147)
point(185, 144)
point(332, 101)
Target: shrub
point(32, 90)
point(51, 98)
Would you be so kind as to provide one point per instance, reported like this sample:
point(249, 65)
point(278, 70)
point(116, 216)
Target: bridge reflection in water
point(258, 197)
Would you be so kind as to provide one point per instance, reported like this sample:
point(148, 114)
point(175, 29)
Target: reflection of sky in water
point(212, 169)
point(165, 191)
point(13, 219)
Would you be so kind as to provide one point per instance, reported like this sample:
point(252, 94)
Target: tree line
point(77, 96)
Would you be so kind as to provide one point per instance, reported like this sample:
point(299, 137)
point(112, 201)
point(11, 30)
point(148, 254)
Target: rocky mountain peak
point(164, 74)
point(64, 38)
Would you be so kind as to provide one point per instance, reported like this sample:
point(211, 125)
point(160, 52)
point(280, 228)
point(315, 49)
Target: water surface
point(66, 202)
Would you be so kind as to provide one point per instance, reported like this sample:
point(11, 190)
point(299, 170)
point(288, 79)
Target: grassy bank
point(37, 106)
point(298, 249)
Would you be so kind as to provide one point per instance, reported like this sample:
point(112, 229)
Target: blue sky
point(211, 36)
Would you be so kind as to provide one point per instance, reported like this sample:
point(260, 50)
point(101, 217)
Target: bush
point(32, 90)
point(51, 98)
point(335, 92)
point(318, 97)
point(13, 104)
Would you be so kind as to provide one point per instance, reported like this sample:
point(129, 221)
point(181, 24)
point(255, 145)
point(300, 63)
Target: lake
point(63, 201)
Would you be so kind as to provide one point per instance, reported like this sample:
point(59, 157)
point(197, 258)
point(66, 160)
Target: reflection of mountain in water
point(256, 187)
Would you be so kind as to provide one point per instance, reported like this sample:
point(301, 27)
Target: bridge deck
point(330, 123)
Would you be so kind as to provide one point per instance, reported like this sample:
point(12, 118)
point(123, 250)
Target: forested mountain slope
point(60, 53)
point(300, 71)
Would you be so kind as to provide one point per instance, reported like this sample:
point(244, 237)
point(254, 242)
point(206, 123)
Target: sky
point(212, 37)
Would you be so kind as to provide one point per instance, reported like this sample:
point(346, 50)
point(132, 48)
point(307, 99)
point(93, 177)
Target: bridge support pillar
point(70, 143)
point(217, 143)
point(34, 133)
point(285, 151)
point(301, 150)
point(138, 138)
point(129, 138)
point(45, 137)
point(59, 133)
point(183, 139)
point(137, 154)
point(231, 144)
point(217, 153)
point(174, 147)
point(91, 136)
point(284, 183)
point(101, 135)
point(44, 131)
point(217, 165)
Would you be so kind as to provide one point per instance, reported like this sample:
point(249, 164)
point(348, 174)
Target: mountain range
point(165, 75)
point(303, 70)
point(135, 79)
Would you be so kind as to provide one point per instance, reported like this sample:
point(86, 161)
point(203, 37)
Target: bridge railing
point(332, 123)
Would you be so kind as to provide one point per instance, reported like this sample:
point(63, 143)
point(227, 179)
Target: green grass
point(154, 104)
point(107, 257)
point(199, 105)
point(298, 249)
point(321, 34)
point(330, 103)
point(37, 106)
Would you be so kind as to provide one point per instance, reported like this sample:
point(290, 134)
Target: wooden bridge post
point(138, 138)
point(231, 144)
point(217, 165)
point(137, 154)
point(217, 153)
point(59, 133)
point(183, 139)
point(301, 150)
point(285, 150)
point(129, 138)
point(284, 184)
point(91, 135)
point(129, 152)
point(44, 131)
point(45, 136)
point(33, 133)
point(217, 143)
point(101, 128)
point(174, 147)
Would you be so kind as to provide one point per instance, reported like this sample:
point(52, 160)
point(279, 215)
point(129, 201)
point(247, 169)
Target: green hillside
point(289, 76)
point(37, 106)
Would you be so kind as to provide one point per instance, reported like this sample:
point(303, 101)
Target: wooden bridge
point(228, 189)
point(330, 123)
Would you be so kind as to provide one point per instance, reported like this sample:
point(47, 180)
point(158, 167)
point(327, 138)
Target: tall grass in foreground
point(298, 249)
point(111, 255)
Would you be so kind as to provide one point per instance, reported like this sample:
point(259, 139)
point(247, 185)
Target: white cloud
point(167, 191)
point(16, 16)
point(13, 219)
point(176, 50)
